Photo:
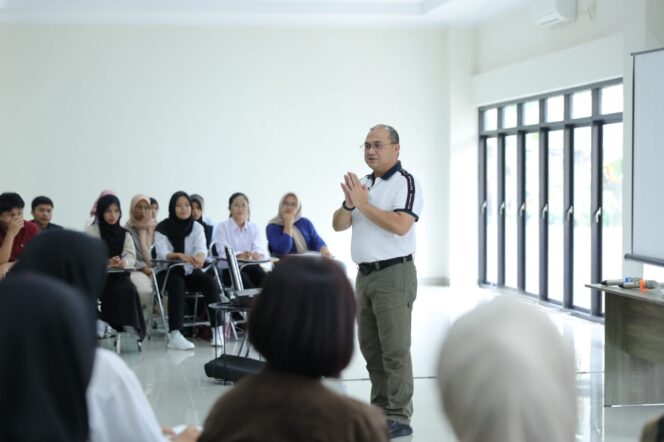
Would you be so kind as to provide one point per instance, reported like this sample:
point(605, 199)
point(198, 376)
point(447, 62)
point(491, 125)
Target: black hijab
point(46, 364)
point(72, 257)
point(112, 234)
point(174, 228)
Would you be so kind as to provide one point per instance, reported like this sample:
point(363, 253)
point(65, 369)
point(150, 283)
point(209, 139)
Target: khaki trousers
point(385, 305)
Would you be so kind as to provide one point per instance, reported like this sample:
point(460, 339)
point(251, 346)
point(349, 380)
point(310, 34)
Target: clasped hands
point(356, 194)
point(196, 261)
point(249, 255)
point(116, 262)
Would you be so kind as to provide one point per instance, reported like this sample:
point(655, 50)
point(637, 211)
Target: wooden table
point(634, 345)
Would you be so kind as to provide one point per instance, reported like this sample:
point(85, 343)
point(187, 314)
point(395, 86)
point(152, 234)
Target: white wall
point(512, 58)
point(214, 111)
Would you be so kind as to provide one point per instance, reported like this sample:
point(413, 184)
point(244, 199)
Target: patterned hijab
point(298, 239)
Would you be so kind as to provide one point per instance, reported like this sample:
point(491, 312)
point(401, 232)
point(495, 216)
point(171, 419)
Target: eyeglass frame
point(368, 146)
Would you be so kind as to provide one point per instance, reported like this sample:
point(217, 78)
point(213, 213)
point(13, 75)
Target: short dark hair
point(303, 321)
point(41, 199)
point(153, 201)
point(394, 136)
point(10, 200)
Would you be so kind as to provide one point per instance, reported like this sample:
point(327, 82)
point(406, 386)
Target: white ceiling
point(346, 13)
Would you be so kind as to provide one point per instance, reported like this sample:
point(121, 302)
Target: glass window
point(511, 212)
point(532, 213)
point(611, 99)
point(612, 201)
point(490, 119)
point(582, 206)
point(492, 210)
point(556, 216)
point(582, 104)
point(509, 116)
point(531, 112)
point(555, 108)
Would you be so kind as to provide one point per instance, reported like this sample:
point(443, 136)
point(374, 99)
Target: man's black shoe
point(397, 429)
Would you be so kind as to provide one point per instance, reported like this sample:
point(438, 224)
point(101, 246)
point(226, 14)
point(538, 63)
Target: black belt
point(367, 267)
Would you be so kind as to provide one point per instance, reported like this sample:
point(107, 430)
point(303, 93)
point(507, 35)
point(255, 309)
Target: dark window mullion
point(543, 214)
point(481, 187)
point(568, 214)
point(501, 209)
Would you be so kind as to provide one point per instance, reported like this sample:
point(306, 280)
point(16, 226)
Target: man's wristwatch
point(350, 209)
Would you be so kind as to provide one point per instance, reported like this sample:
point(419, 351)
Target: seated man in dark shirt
point(15, 232)
point(42, 212)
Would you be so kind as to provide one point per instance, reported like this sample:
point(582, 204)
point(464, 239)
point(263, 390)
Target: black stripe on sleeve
point(410, 197)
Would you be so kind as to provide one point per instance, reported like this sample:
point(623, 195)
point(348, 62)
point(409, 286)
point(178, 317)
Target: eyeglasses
point(377, 146)
point(287, 204)
point(143, 208)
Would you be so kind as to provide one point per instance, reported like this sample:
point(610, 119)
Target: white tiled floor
point(180, 393)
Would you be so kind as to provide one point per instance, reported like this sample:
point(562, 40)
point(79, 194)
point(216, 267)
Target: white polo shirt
point(398, 191)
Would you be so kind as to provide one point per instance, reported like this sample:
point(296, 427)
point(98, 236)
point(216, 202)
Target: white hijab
point(506, 375)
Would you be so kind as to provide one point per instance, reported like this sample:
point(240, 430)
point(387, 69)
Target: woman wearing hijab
point(507, 375)
point(141, 227)
point(44, 368)
point(197, 206)
point(93, 210)
point(243, 236)
point(179, 238)
point(303, 325)
point(117, 407)
point(289, 232)
point(120, 303)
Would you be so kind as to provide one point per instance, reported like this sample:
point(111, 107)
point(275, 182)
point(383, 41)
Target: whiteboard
point(648, 158)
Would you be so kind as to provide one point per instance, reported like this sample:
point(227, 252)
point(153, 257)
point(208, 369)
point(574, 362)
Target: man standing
point(382, 208)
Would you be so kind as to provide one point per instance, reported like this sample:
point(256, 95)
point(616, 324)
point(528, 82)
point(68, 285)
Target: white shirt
point(194, 243)
point(246, 239)
point(398, 191)
point(128, 250)
point(117, 407)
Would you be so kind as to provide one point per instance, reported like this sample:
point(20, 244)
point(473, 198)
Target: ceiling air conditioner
point(551, 12)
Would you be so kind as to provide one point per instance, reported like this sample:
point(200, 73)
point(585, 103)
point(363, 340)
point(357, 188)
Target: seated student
point(117, 407)
point(120, 303)
point(197, 205)
point(243, 236)
point(15, 232)
point(42, 212)
point(289, 232)
point(45, 367)
point(154, 204)
point(506, 374)
point(303, 324)
point(93, 210)
point(141, 227)
point(179, 237)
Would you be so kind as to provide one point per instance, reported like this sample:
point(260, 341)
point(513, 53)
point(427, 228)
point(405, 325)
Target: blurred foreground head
point(506, 374)
point(303, 321)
